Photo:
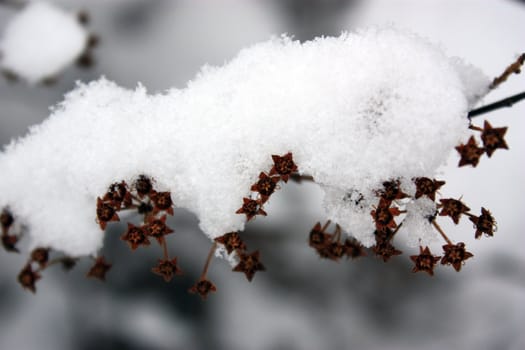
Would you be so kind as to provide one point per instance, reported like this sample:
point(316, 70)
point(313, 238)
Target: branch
point(506, 102)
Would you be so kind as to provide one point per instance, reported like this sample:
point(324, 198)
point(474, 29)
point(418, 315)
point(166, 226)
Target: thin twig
point(514, 68)
point(208, 260)
point(440, 230)
point(506, 102)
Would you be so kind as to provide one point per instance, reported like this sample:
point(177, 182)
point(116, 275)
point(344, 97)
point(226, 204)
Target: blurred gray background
point(300, 302)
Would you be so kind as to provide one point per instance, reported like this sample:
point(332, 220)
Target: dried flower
point(384, 215)
point(453, 208)
point(265, 186)
point(425, 261)
point(9, 243)
point(167, 269)
point(105, 213)
point(455, 255)
point(493, 138)
point(143, 186)
point(251, 207)
point(117, 195)
point(283, 166)
point(231, 241)
point(27, 278)
point(6, 220)
point(135, 236)
point(318, 238)
point(249, 264)
point(470, 153)
point(385, 250)
point(157, 228)
point(99, 269)
point(162, 201)
point(427, 187)
point(353, 248)
point(485, 223)
point(391, 191)
point(40, 256)
point(203, 287)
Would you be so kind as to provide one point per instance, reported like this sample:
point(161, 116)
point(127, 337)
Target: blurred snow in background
point(300, 302)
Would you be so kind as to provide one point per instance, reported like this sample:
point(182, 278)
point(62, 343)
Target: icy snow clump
point(355, 110)
point(41, 41)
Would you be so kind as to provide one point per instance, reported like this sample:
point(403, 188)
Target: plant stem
point(506, 102)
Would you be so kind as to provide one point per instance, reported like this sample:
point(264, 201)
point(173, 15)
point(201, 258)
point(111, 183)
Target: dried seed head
point(203, 287)
point(425, 261)
point(455, 255)
point(105, 213)
point(470, 153)
point(9, 243)
point(157, 228)
point(453, 208)
point(265, 186)
point(167, 269)
point(250, 208)
point(485, 223)
point(143, 186)
point(493, 138)
point(283, 166)
point(391, 191)
point(249, 264)
point(353, 248)
point(427, 187)
point(6, 219)
point(232, 242)
point(162, 202)
point(135, 236)
point(99, 269)
point(385, 250)
point(27, 278)
point(40, 256)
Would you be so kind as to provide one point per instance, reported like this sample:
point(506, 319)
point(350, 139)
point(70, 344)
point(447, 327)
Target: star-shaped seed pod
point(167, 269)
point(143, 186)
point(232, 242)
point(162, 202)
point(118, 195)
point(484, 223)
point(135, 236)
point(493, 138)
point(453, 208)
point(425, 261)
point(203, 287)
point(27, 278)
point(318, 238)
point(250, 208)
point(9, 243)
point(99, 269)
point(354, 249)
point(391, 191)
point(157, 228)
point(469, 153)
point(383, 216)
point(427, 187)
point(40, 256)
point(385, 250)
point(105, 213)
point(249, 264)
point(455, 255)
point(284, 166)
point(6, 220)
point(265, 186)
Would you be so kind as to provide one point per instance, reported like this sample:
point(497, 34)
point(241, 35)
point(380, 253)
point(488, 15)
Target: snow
point(40, 41)
point(355, 111)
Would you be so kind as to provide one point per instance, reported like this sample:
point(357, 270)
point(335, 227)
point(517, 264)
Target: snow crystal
point(40, 41)
point(355, 111)
point(417, 224)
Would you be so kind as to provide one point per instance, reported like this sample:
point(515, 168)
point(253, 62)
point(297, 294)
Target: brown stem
point(208, 260)
point(515, 67)
point(440, 230)
point(164, 248)
point(325, 226)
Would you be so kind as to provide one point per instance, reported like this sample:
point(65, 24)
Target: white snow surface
point(40, 41)
point(356, 110)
